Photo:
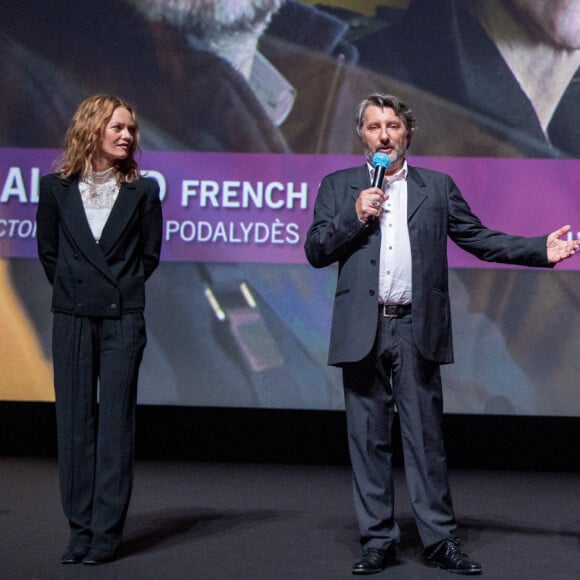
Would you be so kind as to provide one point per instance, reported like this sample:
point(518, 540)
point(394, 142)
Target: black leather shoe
point(374, 560)
point(74, 555)
point(96, 557)
point(448, 556)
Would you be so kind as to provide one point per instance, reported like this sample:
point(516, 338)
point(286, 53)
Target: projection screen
point(244, 106)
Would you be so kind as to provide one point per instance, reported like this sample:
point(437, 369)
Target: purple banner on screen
point(233, 207)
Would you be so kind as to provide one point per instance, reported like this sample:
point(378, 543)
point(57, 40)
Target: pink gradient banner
point(234, 207)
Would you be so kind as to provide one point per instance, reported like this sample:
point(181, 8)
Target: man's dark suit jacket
point(436, 209)
point(105, 279)
point(466, 68)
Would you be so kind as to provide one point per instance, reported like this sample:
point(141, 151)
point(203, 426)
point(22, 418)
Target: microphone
point(381, 162)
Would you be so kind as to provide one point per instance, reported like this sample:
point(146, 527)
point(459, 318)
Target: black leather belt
point(394, 310)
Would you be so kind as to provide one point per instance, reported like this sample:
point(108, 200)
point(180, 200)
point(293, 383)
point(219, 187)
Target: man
point(514, 63)
point(391, 327)
point(196, 70)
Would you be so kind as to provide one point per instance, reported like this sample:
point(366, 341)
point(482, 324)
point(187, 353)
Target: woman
point(99, 238)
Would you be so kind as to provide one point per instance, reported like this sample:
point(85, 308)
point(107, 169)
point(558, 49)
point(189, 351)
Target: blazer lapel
point(75, 221)
point(121, 214)
point(358, 180)
point(416, 192)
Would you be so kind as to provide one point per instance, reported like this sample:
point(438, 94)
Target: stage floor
point(219, 521)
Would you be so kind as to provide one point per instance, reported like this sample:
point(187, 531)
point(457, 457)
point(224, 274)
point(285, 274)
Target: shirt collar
point(400, 175)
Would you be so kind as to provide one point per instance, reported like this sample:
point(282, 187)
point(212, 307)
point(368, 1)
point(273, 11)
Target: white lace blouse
point(99, 191)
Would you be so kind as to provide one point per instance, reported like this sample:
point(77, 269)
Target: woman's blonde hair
point(84, 135)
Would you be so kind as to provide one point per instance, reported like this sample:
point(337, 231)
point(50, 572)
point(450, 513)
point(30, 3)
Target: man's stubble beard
point(208, 19)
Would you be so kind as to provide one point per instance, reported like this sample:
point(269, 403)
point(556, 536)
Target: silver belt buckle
point(384, 311)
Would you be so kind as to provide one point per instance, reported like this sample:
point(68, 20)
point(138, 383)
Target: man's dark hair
point(381, 100)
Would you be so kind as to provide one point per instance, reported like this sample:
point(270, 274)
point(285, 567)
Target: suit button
point(79, 280)
point(373, 262)
point(371, 292)
point(114, 306)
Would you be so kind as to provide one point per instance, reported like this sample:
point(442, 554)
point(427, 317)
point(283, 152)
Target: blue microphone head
point(381, 160)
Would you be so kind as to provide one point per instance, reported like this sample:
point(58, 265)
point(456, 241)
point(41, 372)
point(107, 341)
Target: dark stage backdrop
point(236, 317)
